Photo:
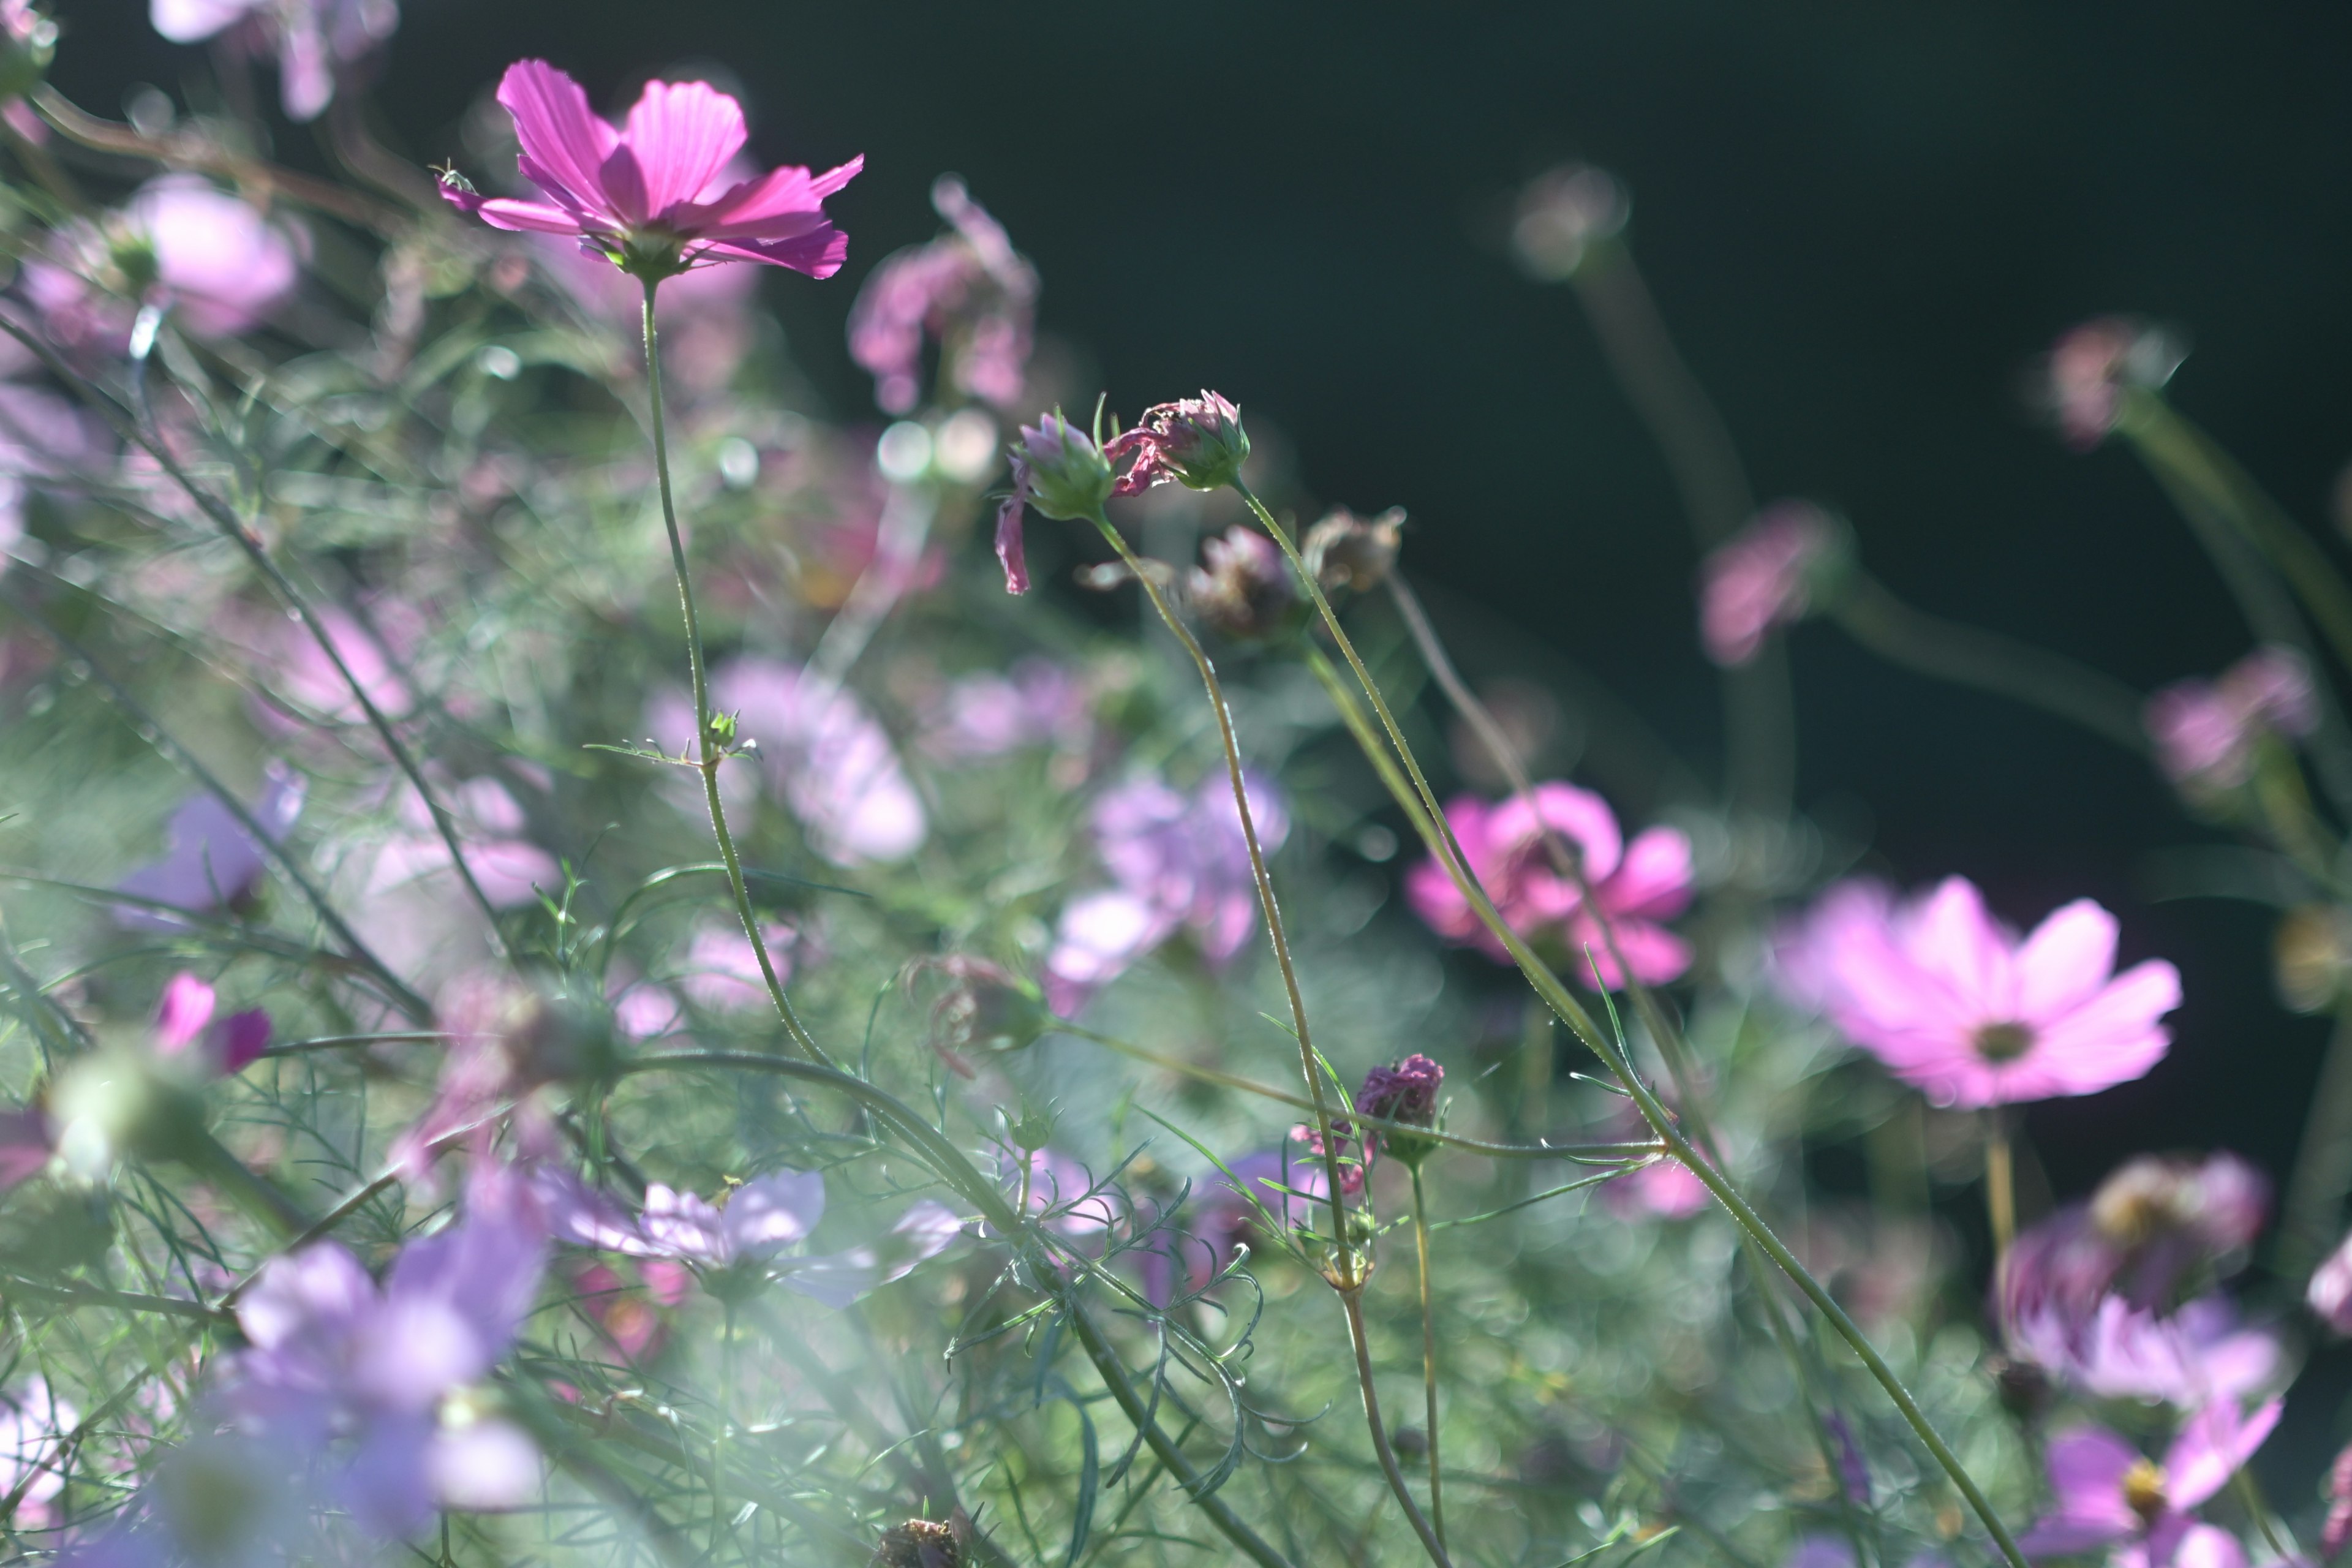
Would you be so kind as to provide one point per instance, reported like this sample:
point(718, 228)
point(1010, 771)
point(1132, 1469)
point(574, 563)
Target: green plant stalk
point(1354, 1300)
point(1429, 820)
point(1428, 1352)
point(948, 1163)
point(1275, 932)
point(710, 753)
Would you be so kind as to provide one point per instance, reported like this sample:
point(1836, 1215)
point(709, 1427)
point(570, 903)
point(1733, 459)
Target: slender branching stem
point(1428, 1352)
point(2001, 1181)
point(1354, 1300)
point(711, 750)
point(1343, 1251)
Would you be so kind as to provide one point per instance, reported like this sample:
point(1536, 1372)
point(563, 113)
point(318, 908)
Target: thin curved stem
point(1419, 1523)
point(1343, 1254)
point(711, 750)
point(1428, 1352)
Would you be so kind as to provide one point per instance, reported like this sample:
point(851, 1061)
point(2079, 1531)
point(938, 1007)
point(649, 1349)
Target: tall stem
point(2309, 1220)
point(1343, 1252)
point(1421, 1525)
point(710, 753)
point(1428, 1352)
point(2000, 1183)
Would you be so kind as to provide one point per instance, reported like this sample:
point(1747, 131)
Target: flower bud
point(2090, 368)
point(1242, 588)
point(1406, 1092)
point(1343, 551)
point(1198, 442)
point(1561, 215)
point(1060, 471)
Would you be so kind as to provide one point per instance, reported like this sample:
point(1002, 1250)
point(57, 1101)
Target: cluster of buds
point(1344, 550)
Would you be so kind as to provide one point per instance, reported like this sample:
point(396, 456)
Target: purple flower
point(1283, 1186)
point(967, 291)
point(1762, 579)
point(1960, 1007)
point(210, 862)
point(1636, 886)
point(311, 38)
point(643, 194)
point(1180, 863)
point(2107, 1494)
point(1059, 469)
point(184, 1028)
point(2197, 1352)
point(1036, 704)
point(739, 1243)
point(1197, 442)
point(1405, 1093)
point(335, 1356)
point(33, 1424)
point(2207, 733)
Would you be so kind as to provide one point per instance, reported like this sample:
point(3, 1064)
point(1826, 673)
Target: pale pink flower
point(2107, 1494)
point(217, 262)
point(1958, 1006)
point(639, 193)
point(311, 38)
point(510, 870)
point(1635, 886)
point(2206, 731)
point(1761, 579)
point(1664, 1187)
point(2330, 1291)
point(1036, 704)
point(967, 290)
point(722, 970)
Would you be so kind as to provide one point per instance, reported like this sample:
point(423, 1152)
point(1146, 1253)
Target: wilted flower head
point(1406, 1092)
point(1243, 587)
point(2089, 368)
point(1059, 469)
point(2170, 1215)
point(967, 290)
point(1635, 886)
point(1960, 1007)
point(311, 38)
point(925, 1543)
point(186, 1028)
point(210, 862)
point(1343, 551)
point(1763, 578)
point(1561, 213)
point(2105, 1493)
point(2206, 732)
point(1198, 442)
point(644, 195)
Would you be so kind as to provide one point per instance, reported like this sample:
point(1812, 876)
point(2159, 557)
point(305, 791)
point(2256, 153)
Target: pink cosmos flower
point(219, 263)
point(184, 1028)
point(1635, 886)
point(210, 862)
point(1958, 1006)
point(1761, 579)
point(2107, 1494)
point(2206, 731)
point(1665, 1188)
point(510, 870)
point(311, 38)
point(2329, 1294)
point(722, 970)
point(969, 290)
point(1036, 704)
point(2188, 1357)
point(639, 193)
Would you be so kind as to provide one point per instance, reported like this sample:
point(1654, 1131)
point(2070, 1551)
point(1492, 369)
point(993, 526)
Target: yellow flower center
point(2144, 1490)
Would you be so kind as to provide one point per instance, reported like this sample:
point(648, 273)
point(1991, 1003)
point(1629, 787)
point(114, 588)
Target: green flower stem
point(1421, 804)
point(712, 752)
point(949, 1163)
point(2000, 1181)
point(1428, 1352)
point(1354, 1300)
point(1343, 1252)
point(2308, 1225)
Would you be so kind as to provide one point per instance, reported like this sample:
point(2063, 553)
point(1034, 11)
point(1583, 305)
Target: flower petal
point(2066, 960)
point(536, 217)
point(773, 1211)
point(681, 133)
point(558, 133)
point(2212, 1446)
point(1951, 936)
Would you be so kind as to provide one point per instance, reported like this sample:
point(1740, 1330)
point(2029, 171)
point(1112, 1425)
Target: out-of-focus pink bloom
point(1763, 578)
point(1635, 886)
point(622, 1311)
point(1664, 1187)
point(185, 1028)
point(1197, 442)
point(1036, 704)
point(741, 1240)
point(722, 970)
point(2185, 1358)
point(1350, 1162)
point(2090, 366)
point(506, 1042)
point(2206, 731)
point(640, 193)
point(45, 444)
point(2105, 1493)
point(311, 38)
point(1059, 469)
point(2168, 1217)
point(33, 1424)
point(1958, 1006)
point(1063, 1193)
point(304, 673)
point(1179, 864)
point(1282, 1184)
point(967, 291)
point(2330, 1291)
point(336, 1356)
point(218, 263)
point(27, 1146)
point(209, 861)
point(510, 870)
point(2337, 1531)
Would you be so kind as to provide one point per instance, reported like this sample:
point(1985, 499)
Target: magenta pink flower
point(1958, 1006)
point(185, 1028)
point(969, 290)
point(1635, 886)
point(2107, 1494)
point(216, 261)
point(1197, 442)
point(2206, 732)
point(641, 194)
point(311, 38)
point(1761, 579)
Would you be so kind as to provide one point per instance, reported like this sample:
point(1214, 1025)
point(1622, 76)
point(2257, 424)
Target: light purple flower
point(2107, 1494)
point(641, 194)
point(2198, 1352)
point(335, 1356)
point(967, 291)
point(1180, 863)
point(2206, 732)
point(45, 444)
point(209, 861)
point(1277, 1183)
point(184, 1028)
point(220, 264)
point(33, 1424)
point(1960, 1007)
point(722, 970)
point(510, 870)
point(1761, 579)
point(28, 1144)
point(311, 38)
point(1036, 704)
point(742, 1241)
